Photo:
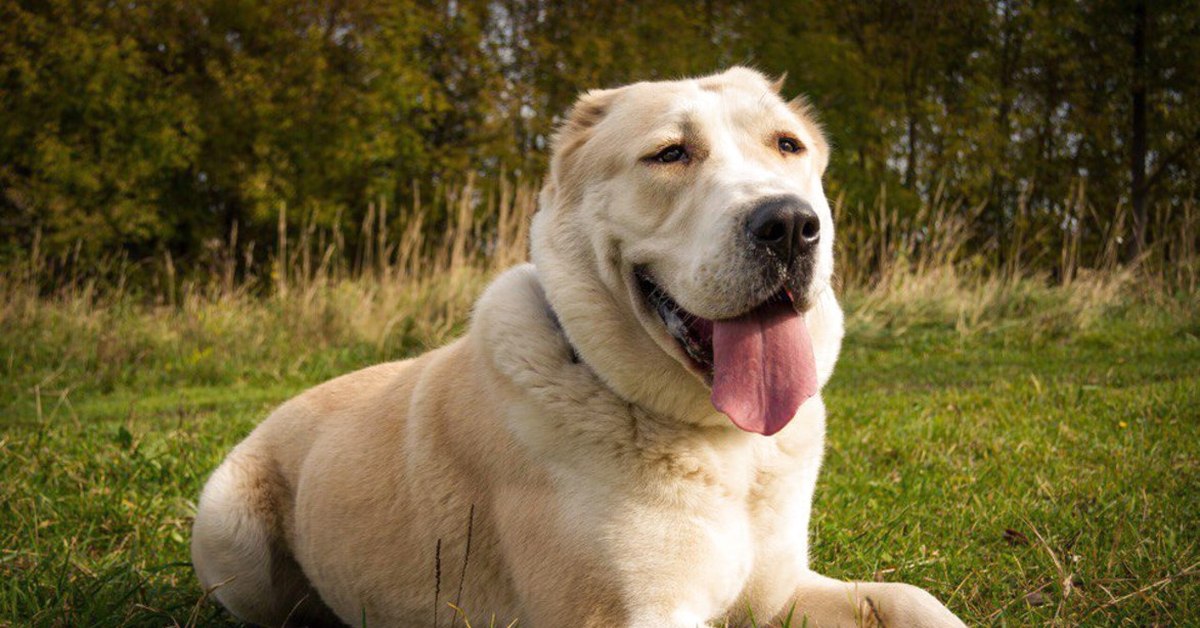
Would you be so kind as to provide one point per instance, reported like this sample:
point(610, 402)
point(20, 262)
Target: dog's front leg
point(828, 603)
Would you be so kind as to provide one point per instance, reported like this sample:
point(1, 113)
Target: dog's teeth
point(675, 324)
point(678, 322)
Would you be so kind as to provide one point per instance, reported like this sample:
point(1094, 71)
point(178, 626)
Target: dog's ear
point(808, 116)
point(576, 129)
point(588, 110)
point(778, 83)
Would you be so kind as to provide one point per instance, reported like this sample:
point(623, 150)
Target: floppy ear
point(589, 109)
point(576, 129)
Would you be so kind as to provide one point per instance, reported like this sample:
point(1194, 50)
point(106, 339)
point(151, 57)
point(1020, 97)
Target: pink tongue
point(763, 367)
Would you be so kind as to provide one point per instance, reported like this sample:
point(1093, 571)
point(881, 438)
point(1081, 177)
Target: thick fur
point(565, 443)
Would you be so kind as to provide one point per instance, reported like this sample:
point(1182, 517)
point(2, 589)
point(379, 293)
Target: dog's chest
point(710, 535)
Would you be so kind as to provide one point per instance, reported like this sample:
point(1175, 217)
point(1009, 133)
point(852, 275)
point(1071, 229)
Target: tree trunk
point(910, 170)
point(1137, 143)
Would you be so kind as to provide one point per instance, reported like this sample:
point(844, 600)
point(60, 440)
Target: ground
point(1025, 472)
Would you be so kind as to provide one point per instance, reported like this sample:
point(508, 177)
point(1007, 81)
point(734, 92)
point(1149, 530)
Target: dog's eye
point(671, 154)
point(790, 145)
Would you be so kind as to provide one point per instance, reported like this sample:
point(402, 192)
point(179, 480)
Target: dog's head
point(684, 237)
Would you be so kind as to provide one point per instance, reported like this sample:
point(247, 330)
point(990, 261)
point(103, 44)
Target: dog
point(629, 433)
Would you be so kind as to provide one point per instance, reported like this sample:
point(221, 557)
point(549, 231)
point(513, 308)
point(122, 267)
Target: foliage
point(175, 128)
point(159, 126)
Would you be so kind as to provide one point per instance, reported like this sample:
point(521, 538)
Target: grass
point(1029, 454)
point(1026, 447)
point(1025, 477)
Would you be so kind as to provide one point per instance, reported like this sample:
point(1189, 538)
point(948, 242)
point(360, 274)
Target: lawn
point(1027, 468)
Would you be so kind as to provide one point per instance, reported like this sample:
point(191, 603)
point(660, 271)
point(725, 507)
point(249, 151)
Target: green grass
point(1022, 480)
point(1031, 467)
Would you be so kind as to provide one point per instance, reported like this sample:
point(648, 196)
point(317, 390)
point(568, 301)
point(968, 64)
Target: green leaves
point(148, 127)
point(90, 128)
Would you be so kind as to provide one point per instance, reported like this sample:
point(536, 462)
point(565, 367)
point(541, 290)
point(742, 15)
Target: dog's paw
point(902, 605)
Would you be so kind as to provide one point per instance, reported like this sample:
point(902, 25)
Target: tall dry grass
point(411, 284)
point(407, 278)
point(1056, 268)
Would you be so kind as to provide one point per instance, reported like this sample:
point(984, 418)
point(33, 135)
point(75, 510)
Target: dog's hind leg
point(240, 552)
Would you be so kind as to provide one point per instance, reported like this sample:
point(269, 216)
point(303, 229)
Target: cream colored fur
point(605, 489)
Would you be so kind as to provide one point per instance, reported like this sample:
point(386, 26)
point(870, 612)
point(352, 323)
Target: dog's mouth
point(759, 364)
point(692, 332)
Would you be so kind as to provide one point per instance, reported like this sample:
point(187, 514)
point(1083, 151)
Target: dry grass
point(413, 276)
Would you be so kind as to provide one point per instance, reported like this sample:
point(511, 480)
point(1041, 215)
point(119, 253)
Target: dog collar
point(558, 325)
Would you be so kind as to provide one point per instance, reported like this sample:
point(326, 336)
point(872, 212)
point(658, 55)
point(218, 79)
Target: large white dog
point(628, 435)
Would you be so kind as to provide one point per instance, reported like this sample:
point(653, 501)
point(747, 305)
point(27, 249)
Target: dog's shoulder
point(516, 331)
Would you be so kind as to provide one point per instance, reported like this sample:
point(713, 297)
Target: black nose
point(786, 226)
